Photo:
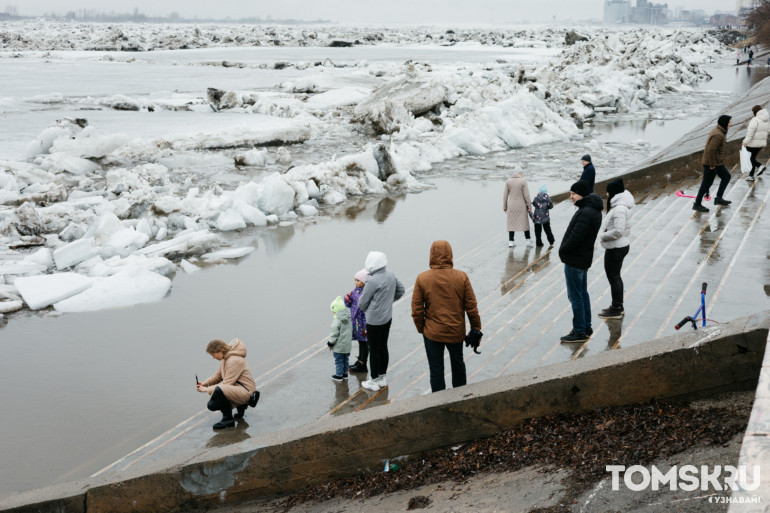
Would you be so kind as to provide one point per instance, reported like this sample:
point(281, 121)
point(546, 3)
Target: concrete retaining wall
point(688, 365)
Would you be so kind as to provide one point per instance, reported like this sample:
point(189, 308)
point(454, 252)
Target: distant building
point(724, 20)
point(617, 11)
point(644, 13)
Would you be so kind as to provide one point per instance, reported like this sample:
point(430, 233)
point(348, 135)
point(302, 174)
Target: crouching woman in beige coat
point(231, 386)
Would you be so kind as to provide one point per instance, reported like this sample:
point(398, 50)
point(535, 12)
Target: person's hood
point(624, 199)
point(592, 200)
point(763, 115)
point(517, 174)
point(237, 348)
point(375, 261)
point(440, 255)
point(338, 304)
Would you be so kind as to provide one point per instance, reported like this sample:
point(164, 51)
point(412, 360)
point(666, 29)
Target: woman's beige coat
point(233, 376)
point(516, 202)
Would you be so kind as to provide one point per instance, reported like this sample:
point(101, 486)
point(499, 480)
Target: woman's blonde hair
point(217, 346)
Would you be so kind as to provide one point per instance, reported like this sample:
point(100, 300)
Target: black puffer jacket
point(577, 245)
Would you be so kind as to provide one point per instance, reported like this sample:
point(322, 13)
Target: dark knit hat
point(581, 188)
point(616, 186)
point(586, 157)
point(723, 120)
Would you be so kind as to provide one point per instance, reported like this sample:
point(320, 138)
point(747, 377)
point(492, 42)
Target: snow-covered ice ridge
point(93, 219)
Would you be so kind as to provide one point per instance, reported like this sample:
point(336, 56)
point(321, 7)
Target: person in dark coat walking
point(714, 164)
point(589, 173)
point(577, 253)
point(441, 299)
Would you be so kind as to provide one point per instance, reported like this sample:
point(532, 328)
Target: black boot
point(219, 402)
point(240, 411)
point(254, 399)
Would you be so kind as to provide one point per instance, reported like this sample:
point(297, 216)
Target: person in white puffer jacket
point(756, 138)
point(615, 238)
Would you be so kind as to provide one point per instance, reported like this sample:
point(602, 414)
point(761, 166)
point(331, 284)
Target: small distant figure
point(738, 58)
point(442, 297)
point(714, 164)
point(231, 386)
point(541, 217)
point(517, 207)
point(358, 320)
point(615, 240)
point(751, 54)
point(340, 339)
point(756, 138)
point(748, 62)
point(589, 173)
point(768, 61)
point(577, 254)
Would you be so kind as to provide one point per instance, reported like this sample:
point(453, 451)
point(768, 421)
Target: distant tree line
point(758, 21)
point(12, 13)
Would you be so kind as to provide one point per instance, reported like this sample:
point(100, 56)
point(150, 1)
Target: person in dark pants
point(615, 239)
point(756, 138)
point(577, 254)
point(231, 386)
point(714, 164)
point(589, 173)
point(442, 297)
point(381, 290)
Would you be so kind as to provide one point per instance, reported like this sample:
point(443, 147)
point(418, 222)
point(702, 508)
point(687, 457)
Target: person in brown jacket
point(231, 386)
point(442, 296)
point(714, 164)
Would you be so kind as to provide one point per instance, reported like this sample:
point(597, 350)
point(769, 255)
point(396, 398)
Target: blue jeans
point(435, 353)
point(341, 364)
point(577, 292)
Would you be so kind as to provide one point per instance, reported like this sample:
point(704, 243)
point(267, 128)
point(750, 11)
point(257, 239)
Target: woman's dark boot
point(220, 402)
point(240, 411)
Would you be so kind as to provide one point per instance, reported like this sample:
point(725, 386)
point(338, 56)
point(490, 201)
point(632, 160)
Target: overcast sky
point(366, 11)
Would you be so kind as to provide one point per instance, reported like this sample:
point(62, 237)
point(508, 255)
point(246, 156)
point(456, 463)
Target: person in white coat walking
point(517, 206)
point(756, 138)
point(614, 238)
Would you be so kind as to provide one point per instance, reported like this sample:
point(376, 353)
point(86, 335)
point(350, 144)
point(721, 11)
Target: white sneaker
point(529, 242)
point(382, 381)
point(371, 385)
point(510, 243)
point(749, 178)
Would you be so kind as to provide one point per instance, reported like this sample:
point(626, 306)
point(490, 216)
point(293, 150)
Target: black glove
point(330, 344)
point(473, 339)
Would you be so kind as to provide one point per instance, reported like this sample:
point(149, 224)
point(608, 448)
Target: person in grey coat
point(381, 291)
point(517, 207)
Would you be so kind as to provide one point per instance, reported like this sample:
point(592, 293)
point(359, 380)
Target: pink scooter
point(681, 194)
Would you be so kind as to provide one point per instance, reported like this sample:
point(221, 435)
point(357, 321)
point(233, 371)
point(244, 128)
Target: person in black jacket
point(589, 173)
point(577, 253)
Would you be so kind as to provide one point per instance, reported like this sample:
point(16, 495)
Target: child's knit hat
point(337, 305)
point(362, 276)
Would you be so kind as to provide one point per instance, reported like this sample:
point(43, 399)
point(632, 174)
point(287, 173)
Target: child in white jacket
point(615, 239)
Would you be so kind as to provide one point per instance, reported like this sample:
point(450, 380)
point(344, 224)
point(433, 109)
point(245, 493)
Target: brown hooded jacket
point(441, 298)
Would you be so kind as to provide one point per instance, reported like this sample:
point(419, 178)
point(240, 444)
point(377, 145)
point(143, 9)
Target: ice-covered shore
point(96, 219)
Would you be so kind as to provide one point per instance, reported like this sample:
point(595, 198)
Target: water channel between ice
point(82, 390)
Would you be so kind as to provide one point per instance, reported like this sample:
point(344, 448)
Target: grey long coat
point(516, 202)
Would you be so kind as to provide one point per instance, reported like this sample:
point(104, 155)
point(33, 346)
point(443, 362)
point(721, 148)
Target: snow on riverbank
point(111, 206)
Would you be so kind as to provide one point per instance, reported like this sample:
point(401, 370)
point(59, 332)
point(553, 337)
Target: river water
point(82, 390)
